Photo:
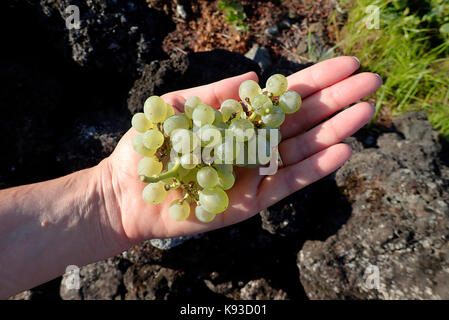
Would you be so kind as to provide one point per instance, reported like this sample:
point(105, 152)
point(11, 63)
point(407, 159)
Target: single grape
point(153, 139)
point(290, 102)
point(218, 117)
point(203, 215)
point(226, 180)
point(221, 126)
point(155, 109)
point(242, 129)
point(209, 135)
point(229, 107)
point(189, 175)
point(184, 141)
point(262, 105)
point(179, 210)
point(149, 166)
point(202, 115)
point(189, 161)
point(170, 111)
point(177, 121)
point(275, 118)
point(140, 122)
point(207, 177)
point(224, 168)
point(214, 200)
point(190, 104)
point(227, 151)
point(154, 193)
point(249, 89)
point(277, 84)
point(140, 148)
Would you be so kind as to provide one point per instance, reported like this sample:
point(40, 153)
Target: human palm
point(310, 149)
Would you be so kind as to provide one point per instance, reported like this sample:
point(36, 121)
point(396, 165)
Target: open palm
point(310, 149)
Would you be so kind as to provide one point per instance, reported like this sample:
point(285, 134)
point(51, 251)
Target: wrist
point(103, 200)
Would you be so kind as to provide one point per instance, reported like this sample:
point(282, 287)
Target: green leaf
point(445, 28)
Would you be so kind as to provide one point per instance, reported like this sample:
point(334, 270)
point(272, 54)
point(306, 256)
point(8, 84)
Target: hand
point(310, 150)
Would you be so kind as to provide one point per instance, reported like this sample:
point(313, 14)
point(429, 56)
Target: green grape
point(177, 121)
point(275, 118)
point(170, 111)
point(214, 200)
point(140, 148)
point(203, 215)
point(227, 151)
point(202, 115)
point(268, 131)
point(277, 84)
point(209, 135)
point(140, 122)
point(189, 175)
point(262, 105)
point(221, 126)
point(189, 161)
point(290, 102)
point(179, 210)
point(190, 105)
point(207, 177)
point(181, 171)
point(224, 168)
point(249, 89)
point(229, 107)
point(218, 117)
point(155, 109)
point(149, 166)
point(184, 141)
point(242, 129)
point(153, 139)
point(226, 180)
point(154, 193)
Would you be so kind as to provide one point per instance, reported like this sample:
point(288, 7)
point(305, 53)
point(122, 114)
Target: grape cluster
point(197, 150)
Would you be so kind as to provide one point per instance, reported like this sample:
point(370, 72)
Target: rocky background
point(67, 96)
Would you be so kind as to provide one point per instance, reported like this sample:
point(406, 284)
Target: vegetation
point(409, 49)
point(235, 14)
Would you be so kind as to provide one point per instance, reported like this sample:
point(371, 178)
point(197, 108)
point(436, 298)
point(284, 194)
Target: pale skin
point(98, 212)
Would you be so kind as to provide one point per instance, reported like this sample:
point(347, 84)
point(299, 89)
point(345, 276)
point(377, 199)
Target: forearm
point(45, 227)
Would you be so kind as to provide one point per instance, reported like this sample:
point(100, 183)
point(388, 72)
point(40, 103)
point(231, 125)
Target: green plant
point(234, 13)
point(410, 50)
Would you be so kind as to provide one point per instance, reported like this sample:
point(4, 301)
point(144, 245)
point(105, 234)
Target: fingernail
point(380, 78)
point(357, 59)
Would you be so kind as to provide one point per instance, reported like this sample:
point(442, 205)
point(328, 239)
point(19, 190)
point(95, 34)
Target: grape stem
point(169, 174)
point(252, 116)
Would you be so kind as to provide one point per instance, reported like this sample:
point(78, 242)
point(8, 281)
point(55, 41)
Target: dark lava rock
point(186, 71)
point(260, 289)
point(97, 281)
point(399, 226)
point(113, 35)
point(152, 282)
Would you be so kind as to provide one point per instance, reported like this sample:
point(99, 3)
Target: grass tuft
point(409, 50)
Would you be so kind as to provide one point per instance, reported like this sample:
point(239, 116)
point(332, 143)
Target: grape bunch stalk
point(198, 149)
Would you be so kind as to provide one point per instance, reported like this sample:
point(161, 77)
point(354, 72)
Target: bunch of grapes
point(198, 149)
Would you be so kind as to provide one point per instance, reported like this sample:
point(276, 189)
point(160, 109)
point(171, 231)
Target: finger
point(326, 102)
point(326, 134)
point(212, 94)
point(292, 178)
point(322, 75)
